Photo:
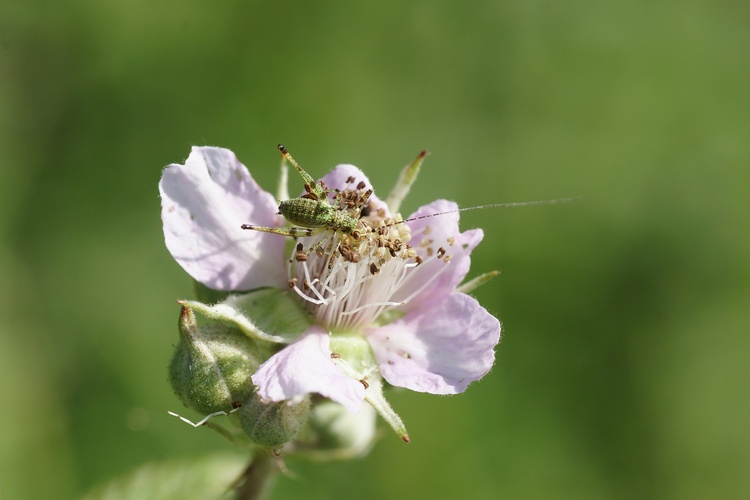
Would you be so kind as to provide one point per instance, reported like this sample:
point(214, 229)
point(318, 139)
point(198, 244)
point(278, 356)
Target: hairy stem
point(258, 478)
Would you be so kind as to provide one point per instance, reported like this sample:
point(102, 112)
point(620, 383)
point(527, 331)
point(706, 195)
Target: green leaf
point(207, 477)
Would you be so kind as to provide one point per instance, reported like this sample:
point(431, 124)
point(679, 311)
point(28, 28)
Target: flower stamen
point(374, 304)
point(351, 279)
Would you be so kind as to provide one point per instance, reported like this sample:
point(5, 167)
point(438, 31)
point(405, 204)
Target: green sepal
point(405, 179)
point(480, 280)
point(356, 359)
point(354, 355)
point(374, 395)
point(276, 312)
point(268, 314)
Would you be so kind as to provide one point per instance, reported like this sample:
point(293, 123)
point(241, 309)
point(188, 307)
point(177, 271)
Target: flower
point(383, 299)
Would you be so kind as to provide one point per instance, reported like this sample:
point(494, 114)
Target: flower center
point(348, 280)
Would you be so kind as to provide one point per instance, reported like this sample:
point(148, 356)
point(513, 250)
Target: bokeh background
point(624, 369)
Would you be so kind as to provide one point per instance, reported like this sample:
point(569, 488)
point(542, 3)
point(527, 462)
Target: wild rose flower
point(383, 302)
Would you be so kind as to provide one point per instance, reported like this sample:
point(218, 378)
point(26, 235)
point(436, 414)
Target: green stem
point(258, 478)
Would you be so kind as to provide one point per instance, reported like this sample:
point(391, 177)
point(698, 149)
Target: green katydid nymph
point(314, 212)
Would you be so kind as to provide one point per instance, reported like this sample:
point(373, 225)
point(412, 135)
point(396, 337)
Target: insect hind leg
point(310, 185)
point(294, 232)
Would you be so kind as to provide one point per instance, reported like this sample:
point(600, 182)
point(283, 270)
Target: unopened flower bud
point(212, 365)
point(273, 424)
point(333, 432)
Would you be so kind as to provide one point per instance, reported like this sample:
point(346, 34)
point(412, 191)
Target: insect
point(314, 214)
point(313, 210)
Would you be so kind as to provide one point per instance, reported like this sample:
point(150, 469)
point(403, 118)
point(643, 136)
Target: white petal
point(439, 350)
point(204, 203)
point(305, 367)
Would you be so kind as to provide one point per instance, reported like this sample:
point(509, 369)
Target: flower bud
point(273, 424)
point(333, 432)
point(212, 364)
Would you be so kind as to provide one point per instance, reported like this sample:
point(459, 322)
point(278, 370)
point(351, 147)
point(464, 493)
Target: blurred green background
point(624, 367)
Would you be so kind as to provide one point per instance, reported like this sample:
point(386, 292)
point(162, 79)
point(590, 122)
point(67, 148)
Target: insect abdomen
point(311, 213)
point(305, 212)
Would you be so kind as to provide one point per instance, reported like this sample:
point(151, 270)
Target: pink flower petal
point(204, 203)
point(305, 367)
point(439, 350)
point(429, 235)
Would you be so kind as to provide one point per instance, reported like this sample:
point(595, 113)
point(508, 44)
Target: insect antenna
point(490, 205)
